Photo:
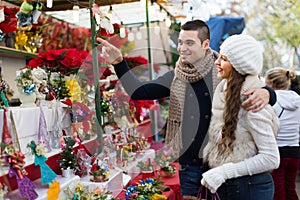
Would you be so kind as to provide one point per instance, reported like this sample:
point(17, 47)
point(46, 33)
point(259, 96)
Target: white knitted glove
point(213, 178)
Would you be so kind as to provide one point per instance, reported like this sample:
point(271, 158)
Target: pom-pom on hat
point(244, 53)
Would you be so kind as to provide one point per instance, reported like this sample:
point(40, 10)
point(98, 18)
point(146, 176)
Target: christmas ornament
point(47, 174)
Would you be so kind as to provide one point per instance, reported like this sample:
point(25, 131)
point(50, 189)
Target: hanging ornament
point(102, 20)
point(122, 31)
point(49, 3)
point(76, 10)
point(195, 4)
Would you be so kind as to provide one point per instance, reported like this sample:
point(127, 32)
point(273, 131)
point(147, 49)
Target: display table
point(173, 182)
point(23, 123)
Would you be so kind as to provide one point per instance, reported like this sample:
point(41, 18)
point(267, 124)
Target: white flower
point(54, 76)
point(40, 150)
point(38, 74)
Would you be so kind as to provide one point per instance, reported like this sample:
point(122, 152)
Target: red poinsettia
point(65, 61)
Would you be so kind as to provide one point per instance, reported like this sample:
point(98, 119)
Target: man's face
point(190, 48)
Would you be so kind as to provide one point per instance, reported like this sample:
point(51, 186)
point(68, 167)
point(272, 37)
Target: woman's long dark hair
point(231, 110)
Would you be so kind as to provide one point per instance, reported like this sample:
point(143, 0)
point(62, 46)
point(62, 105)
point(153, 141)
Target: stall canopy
point(68, 4)
point(223, 26)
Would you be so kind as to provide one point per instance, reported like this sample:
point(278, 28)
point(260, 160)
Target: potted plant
point(169, 170)
point(165, 162)
point(68, 160)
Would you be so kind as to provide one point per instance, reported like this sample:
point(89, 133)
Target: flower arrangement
point(147, 189)
point(82, 192)
point(25, 81)
point(38, 149)
point(99, 170)
point(28, 79)
point(57, 84)
point(146, 166)
point(165, 160)
point(169, 170)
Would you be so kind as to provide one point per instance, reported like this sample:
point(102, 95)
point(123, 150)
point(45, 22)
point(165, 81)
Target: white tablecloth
point(23, 123)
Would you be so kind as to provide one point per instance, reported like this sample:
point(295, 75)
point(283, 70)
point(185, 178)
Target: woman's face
point(224, 66)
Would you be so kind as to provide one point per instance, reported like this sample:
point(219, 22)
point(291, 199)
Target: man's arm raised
point(110, 53)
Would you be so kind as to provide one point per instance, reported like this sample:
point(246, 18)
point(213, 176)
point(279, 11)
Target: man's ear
point(205, 44)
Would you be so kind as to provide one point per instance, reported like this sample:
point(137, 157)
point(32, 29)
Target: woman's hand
point(109, 52)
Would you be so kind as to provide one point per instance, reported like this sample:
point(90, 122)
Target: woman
point(287, 109)
point(242, 148)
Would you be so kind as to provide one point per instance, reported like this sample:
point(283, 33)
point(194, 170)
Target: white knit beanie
point(244, 53)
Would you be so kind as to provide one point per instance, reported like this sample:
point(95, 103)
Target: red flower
point(107, 72)
point(35, 62)
point(64, 61)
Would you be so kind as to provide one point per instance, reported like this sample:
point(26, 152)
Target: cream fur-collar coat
point(254, 149)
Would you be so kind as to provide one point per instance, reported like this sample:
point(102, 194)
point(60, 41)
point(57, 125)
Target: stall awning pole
point(153, 113)
point(98, 121)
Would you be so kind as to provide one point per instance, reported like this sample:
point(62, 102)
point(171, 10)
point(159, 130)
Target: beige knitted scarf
point(185, 74)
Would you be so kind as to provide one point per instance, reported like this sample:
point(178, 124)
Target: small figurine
point(5, 92)
point(28, 14)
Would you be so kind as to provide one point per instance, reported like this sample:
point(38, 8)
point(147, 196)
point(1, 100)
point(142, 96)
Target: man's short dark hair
point(197, 25)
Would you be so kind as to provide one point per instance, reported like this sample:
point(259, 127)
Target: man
point(190, 88)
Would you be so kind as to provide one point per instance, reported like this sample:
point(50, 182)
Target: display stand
point(114, 183)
